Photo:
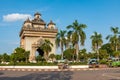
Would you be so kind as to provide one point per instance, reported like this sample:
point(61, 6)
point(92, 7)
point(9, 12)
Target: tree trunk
point(61, 51)
point(97, 52)
point(45, 56)
point(77, 51)
point(26, 60)
point(116, 47)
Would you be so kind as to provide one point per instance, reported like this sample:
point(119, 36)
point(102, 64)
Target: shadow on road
point(1, 73)
point(62, 75)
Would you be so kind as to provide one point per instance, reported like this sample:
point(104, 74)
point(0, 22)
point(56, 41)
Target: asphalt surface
point(91, 74)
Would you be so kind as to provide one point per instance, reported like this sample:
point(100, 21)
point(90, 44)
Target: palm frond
point(82, 37)
point(96, 40)
point(83, 26)
point(69, 27)
point(108, 37)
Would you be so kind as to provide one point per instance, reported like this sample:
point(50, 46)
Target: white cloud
point(15, 17)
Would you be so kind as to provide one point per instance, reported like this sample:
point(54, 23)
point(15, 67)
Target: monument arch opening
point(40, 52)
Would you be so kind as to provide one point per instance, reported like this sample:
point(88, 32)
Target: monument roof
point(38, 21)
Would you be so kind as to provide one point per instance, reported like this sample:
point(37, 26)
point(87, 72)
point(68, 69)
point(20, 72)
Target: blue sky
point(98, 15)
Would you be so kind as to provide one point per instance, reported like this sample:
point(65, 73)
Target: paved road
point(104, 74)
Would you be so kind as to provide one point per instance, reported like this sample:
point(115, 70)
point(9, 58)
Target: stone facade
point(34, 32)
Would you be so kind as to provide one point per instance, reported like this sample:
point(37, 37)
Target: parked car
point(114, 62)
point(93, 63)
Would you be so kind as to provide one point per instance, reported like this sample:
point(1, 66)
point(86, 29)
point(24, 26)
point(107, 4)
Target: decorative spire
point(37, 13)
point(51, 22)
point(27, 20)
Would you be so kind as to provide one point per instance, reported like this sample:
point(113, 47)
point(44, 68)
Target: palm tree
point(114, 39)
point(116, 54)
point(46, 47)
point(96, 42)
point(77, 35)
point(61, 41)
point(52, 56)
point(5, 57)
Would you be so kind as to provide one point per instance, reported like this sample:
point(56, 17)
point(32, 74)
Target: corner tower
point(33, 33)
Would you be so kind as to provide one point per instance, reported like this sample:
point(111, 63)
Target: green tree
point(61, 41)
point(114, 39)
point(0, 58)
point(83, 55)
point(116, 54)
point(20, 54)
point(96, 42)
point(26, 56)
point(5, 57)
point(91, 55)
point(46, 47)
point(108, 48)
point(39, 58)
point(52, 56)
point(57, 57)
point(103, 54)
point(68, 54)
point(13, 57)
point(77, 35)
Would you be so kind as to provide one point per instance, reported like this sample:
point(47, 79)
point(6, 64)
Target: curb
point(38, 70)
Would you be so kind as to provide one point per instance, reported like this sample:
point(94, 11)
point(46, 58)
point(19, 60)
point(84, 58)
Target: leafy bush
point(103, 62)
point(78, 63)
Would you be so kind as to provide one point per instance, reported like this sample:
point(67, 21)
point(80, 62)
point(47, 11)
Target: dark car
point(93, 63)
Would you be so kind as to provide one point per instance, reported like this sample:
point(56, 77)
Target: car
point(114, 62)
point(93, 63)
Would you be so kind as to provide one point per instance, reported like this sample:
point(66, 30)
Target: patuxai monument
point(33, 34)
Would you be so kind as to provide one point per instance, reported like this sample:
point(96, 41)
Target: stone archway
point(35, 47)
point(31, 32)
